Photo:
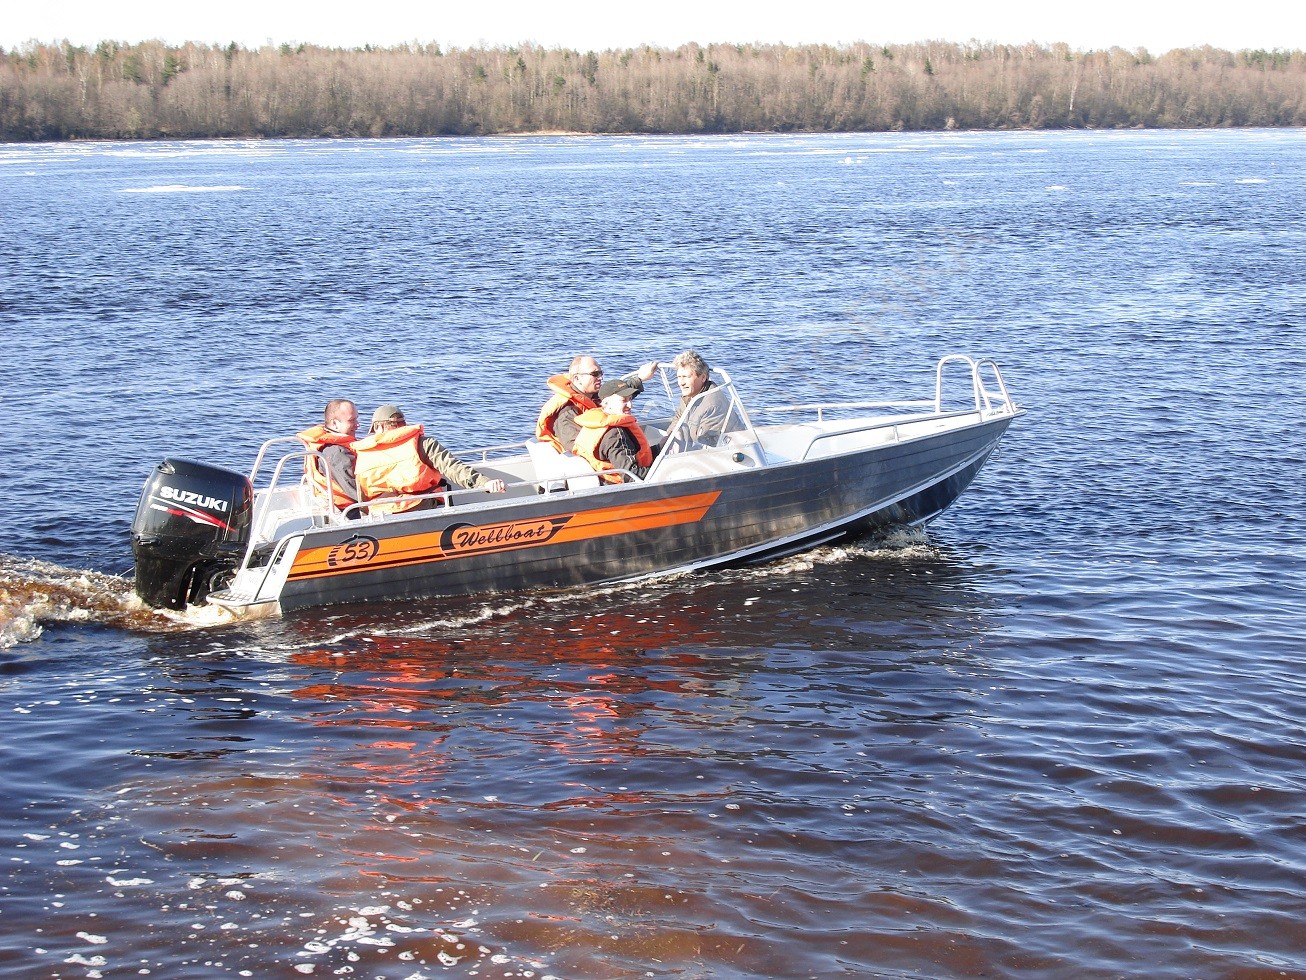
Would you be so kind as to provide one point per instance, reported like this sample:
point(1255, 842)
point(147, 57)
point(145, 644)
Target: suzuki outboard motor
point(190, 531)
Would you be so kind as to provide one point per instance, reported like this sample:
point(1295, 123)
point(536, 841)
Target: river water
point(1058, 734)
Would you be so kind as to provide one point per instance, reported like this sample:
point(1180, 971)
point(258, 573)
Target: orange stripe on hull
point(364, 552)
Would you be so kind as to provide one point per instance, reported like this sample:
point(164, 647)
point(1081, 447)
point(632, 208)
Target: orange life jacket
point(389, 465)
point(563, 393)
point(315, 440)
point(594, 424)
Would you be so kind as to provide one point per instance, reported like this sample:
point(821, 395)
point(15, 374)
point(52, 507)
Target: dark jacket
point(620, 448)
point(564, 423)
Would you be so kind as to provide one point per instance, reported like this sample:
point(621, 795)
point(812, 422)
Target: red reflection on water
point(579, 689)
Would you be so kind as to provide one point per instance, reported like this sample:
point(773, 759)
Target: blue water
point(1057, 735)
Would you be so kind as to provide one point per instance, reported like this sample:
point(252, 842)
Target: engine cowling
point(191, 528)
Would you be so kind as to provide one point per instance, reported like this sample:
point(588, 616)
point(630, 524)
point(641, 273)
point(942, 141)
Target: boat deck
point(286, 511)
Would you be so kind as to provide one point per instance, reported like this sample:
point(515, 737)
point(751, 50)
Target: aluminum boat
point(729, 486)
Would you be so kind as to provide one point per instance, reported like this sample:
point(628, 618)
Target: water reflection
point(681, 765)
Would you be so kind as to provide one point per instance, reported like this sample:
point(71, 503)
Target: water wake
point(892, 545)
point(33, 593)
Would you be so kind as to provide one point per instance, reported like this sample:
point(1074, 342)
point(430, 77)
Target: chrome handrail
point(894, 424)
point(483, 455)
point(984, 398)
point(276, 555)
point(988, 398)
point(821, 407)
point(263, 451)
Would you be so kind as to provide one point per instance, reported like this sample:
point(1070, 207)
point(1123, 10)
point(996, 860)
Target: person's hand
point(495, 486)
point(647, 371)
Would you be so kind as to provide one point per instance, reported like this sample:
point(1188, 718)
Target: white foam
point(17, 625)
point(200, 617)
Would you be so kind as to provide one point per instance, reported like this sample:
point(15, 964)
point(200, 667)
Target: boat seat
point(557, 471)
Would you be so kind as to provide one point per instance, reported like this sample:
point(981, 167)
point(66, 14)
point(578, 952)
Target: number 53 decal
point(358, 550)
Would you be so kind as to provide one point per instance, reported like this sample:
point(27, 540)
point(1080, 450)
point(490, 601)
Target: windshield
point(706, 419)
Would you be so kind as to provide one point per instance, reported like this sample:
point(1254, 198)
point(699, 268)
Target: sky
point(1157, 25)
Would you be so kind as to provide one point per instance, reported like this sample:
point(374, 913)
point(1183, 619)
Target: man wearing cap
point(574, 393)
point(398, 459)
point(609, 437)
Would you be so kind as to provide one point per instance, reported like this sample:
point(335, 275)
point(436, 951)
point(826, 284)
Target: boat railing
point(820, 408)
point(896, 428)
point(488, 453)
point(445, 499)
point(278, 502)
point(273, 559)
point(987, 395)
point(280, 468)
point(626, 477)
point(266, 448)
point(986, 398)
point(279, 493)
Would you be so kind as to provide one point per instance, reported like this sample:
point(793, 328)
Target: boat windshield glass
point(711, 415)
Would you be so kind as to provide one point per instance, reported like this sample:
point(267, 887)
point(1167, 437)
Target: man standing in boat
point(609, 437)
point(398, 459)
point(575, 392)
point(329, 461)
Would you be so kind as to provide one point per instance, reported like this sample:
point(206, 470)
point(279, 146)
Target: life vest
point(593, 425)
point(389, 465)
point(563, 394)
point(315, 440)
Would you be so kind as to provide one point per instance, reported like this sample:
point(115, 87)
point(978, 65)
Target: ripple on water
point(1058, 735)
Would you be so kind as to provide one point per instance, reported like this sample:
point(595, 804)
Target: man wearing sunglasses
point(576, 392)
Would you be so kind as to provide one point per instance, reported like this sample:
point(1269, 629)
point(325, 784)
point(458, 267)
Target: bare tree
point(150, 90)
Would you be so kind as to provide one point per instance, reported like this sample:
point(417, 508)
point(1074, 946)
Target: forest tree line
point(151, 90)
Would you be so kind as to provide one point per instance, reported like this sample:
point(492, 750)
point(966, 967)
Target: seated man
point(706, 420)
point(329, 461)
point(610, 438)
point(397, 459)
point(574, 393)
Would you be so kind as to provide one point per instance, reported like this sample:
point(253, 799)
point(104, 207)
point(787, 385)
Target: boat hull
point(641, 529)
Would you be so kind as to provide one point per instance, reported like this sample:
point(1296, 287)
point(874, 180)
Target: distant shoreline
point(153, 91)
